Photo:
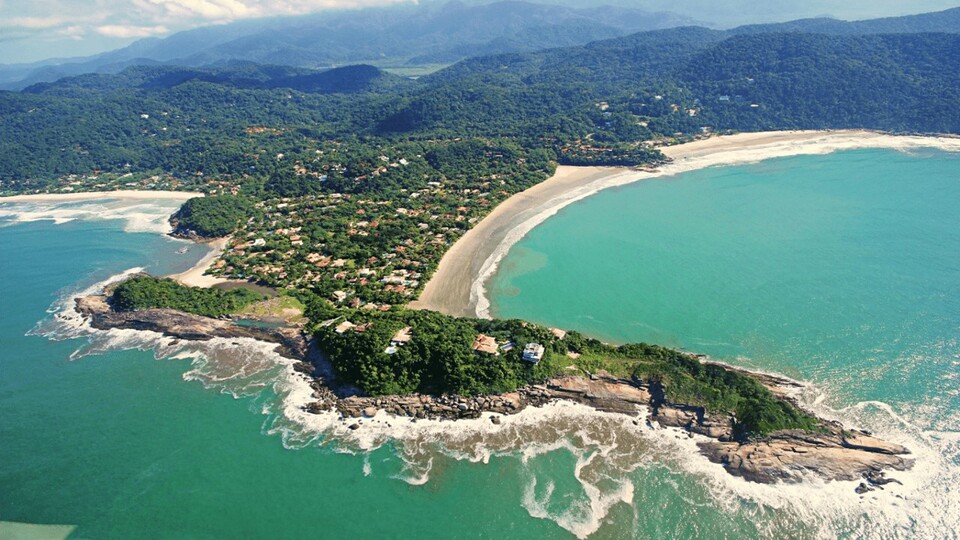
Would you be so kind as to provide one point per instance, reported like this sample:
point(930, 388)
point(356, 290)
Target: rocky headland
point(831, 453)
point(291, 342)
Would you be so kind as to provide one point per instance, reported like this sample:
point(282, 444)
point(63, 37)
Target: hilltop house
point(486, 344)
point(533, 352)
point(401, 338)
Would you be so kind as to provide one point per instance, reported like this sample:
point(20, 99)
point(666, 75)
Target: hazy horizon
point(34, 31)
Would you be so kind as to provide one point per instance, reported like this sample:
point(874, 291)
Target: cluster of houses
point(105, 181)
point(280, 249)
point(484, 344)
point(532, 352)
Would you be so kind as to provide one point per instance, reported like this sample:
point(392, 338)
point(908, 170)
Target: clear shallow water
point(118, 444)
point(843, 270)
point(101, 435)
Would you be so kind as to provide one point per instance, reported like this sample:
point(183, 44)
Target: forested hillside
point(588, 104)
point(345, 187)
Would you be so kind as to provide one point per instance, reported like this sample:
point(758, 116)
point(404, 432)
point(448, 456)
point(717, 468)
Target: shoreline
point(832, 453)
point(194, 276)
point(98, 195)
point(458, 287)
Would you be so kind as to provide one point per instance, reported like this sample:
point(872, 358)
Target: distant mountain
point(583, 104)
point(943, 21)
point(399, 35)
point(346, 80)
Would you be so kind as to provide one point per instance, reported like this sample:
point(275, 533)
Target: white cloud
point(35, 23)
point(30, 29)
point(130, 31)
point(134, 17)
point(74, 32)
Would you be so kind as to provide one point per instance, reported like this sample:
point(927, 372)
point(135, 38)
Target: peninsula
point(355, 200)
point(751, 425)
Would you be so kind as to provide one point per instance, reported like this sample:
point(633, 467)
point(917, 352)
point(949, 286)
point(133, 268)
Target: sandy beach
point(195, 277)
point(98, 195)
point(457, 287)
point(449, 291)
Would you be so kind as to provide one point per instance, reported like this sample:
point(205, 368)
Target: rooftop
point(485, 344)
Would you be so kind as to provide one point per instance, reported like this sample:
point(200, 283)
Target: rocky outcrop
point(832, 453)
point(602, 393)
point(291, 342)
point(787, 456)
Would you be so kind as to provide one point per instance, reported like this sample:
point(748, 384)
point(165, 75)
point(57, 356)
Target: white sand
point(457, 288)
point(195, 277)
point(101, 195)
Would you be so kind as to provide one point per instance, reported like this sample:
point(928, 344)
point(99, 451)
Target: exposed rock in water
point(291, 342)
point(787, 455)
point(834, 453)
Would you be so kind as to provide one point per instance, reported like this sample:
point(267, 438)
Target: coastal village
point(359, 239)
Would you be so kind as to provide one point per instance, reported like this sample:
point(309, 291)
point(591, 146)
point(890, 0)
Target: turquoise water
point(843, 270)
point(119, 445)
point(128, 435)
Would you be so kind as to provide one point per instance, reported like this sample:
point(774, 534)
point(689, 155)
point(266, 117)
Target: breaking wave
point(147, 215)
point(581, 469)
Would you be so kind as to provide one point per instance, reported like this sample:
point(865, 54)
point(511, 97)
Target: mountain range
point(397, 36)
point(418, 39)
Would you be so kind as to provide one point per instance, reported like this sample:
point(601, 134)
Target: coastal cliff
point(831, 452)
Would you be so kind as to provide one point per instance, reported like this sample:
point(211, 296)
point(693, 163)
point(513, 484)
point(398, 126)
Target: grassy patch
point(285, 308)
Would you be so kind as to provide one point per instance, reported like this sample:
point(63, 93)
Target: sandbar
point(457, 288)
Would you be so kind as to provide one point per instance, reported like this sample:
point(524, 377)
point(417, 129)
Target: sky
point(32, 30)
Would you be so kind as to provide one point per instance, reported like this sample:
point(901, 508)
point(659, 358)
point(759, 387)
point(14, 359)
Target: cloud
point(130, 31)
point(32, 29)
point(74, 32)
point(35, 23)
point(173, 11)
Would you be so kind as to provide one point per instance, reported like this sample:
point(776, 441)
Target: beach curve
point(458, 287)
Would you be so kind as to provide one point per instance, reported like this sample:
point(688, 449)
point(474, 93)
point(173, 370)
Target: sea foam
point(137, 215)
point(608, 449)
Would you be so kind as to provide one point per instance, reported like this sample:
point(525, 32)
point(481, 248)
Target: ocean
point(842, 271)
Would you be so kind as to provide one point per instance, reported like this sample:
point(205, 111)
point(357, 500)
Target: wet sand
point(195, 277)
point(450, 288)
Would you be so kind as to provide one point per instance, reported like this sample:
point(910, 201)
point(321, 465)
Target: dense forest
point(588, 104)
point(213, 217)
point(142, 292)
point(345, 187)
point(438, 358)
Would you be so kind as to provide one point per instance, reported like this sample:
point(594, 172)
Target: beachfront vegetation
point(346, 187)
point(439, 358)
point(143, 292)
